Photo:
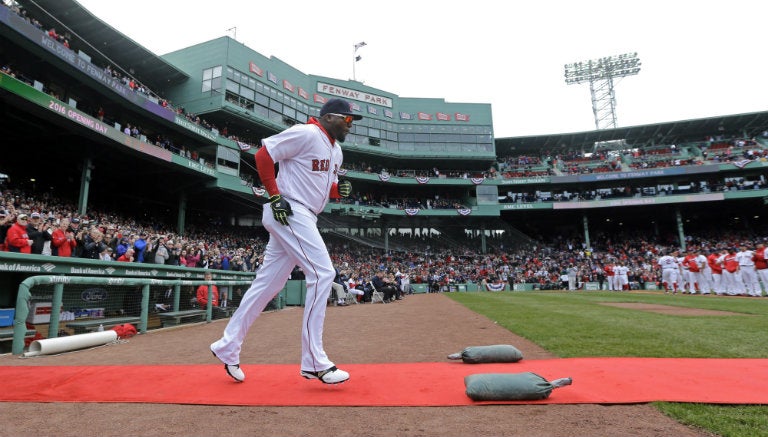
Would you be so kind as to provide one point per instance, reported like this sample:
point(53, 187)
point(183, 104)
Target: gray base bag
point(511, 386)
point(497, 353)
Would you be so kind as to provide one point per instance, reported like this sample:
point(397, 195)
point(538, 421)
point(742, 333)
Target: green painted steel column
point(58, 296)
point(680, 230)
point(182, 213)
point(176, 297)
point(483, 246)
point(586, 230)
point(85, 185)
point(144, 309)
point(20, 320)
point(209, 306)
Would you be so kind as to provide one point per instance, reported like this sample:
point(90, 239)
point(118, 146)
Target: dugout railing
point(32, 304)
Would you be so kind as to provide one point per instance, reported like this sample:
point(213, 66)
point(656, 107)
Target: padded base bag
point(525, 386)
point(497, 353)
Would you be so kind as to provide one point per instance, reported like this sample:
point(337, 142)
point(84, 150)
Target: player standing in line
point(694, 271)
point(610, 275)
point(669, 271)
point(748, 272)
point(685, 282)
point(713, 260)
point(731, 278)
point(705, 273)
point(621, 278)
point(761, 265)
point(309, 157)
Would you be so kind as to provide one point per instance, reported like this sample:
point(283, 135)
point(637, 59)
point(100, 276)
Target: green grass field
point(576, 324)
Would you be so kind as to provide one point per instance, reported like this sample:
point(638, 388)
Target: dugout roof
point(674, 132)
point(116, 48)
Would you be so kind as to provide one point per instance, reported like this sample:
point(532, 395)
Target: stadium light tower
point(600, 73)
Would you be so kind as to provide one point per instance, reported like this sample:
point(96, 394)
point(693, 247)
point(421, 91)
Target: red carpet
point(595, 381)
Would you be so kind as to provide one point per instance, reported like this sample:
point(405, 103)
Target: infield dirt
point(420, 328)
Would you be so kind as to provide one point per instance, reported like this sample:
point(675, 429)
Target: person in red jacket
point(63, 240)
point(202, 293)
point(17, 239)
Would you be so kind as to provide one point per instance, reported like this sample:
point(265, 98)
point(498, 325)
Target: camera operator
point(38, 231)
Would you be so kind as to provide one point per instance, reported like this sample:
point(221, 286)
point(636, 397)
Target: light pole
point(600, 73)
point(356, 57)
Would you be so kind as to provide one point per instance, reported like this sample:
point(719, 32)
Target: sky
point(699, 58)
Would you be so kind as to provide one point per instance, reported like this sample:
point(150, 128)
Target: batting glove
point(345, 188)
point(281, 209)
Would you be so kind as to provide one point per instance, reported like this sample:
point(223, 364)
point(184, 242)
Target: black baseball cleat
point(327, 376)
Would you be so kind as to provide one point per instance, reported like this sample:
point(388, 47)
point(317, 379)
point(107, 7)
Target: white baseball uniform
point(669, 272)
point(309, 162)
point(748, 273)
point(705, 274)
point(622, 277)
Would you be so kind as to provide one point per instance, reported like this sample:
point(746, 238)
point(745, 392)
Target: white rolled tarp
point(58, 345)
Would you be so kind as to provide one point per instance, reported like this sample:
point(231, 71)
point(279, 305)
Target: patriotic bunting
point(495, 287)
point(741, 163)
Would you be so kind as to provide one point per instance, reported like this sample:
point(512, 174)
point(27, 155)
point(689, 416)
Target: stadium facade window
point(212, 79)
point(231, 86)
point(276, 117)
point(289, 112)
point(262, 100)
point(261, 111)
point(247, 93)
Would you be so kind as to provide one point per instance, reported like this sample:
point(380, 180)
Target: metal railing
point(58, 282)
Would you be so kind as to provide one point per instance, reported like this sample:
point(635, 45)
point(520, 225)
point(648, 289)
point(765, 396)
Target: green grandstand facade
point(416, 163)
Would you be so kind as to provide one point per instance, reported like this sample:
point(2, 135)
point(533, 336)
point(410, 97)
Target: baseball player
point(748, 272)
point(731, 276)
point(705, 273)
point(610, 276)
point(669, 271)
point(621, 277)
point(761, 265)
point(715, 265)
point(309, 157)
point(693, 270)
